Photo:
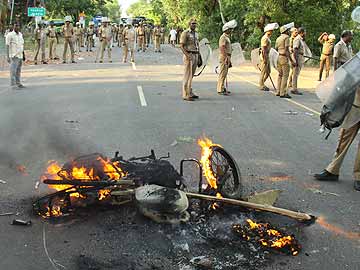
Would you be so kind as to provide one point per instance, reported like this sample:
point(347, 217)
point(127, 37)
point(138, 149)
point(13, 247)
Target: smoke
point(34, 138)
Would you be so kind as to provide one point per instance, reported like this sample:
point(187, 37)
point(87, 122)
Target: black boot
point(326, 176)
point(357, 185)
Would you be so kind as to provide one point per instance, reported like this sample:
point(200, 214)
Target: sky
point(124, 5)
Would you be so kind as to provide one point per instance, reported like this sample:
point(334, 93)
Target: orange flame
point(268, 237)
point(206, 152)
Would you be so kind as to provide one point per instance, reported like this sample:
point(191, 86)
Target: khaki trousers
point(89, 42)
point(265, 72)
point(52, 47)
point(157, 44)
point(77, 43)
point(296, 73)
point(325, 60)
point(128, 46)
point(40, 46)
point(291, 76)
point(190, 65)
point(82, 40)
point(141, 43)
point(223, 72)
point(283, 69)
point(346, 137)
point(68, 43)
point(105, 44)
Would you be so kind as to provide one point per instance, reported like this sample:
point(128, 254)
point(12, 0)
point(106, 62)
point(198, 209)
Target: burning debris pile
point(268, 237)
point(158, 190)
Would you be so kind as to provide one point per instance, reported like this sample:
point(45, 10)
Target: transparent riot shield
point(337, 93)
point(255, 58)
point(205, 52)
point(237, 56)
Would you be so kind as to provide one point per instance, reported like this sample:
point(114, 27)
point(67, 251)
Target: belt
point(282, 54)
point(193, 52)
point(53, 37)
point(141, 35)
point(326, 54)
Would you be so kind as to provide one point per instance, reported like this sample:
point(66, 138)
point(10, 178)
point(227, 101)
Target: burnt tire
point(227, 173)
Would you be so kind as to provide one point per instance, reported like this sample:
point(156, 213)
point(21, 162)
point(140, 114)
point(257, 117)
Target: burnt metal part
point(193, 160)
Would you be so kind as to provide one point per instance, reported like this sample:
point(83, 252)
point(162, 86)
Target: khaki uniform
point(52, 42)
point(224, 66)
point(140, 31)
point(298, 44)
point(129, 43)
point(120, 37)
point(68, 32)
point(326, 55)
point(265, 62)
point(114, 33)
point(77, 33)
point(342, 52)
point(190, 41)
point(157, 39)
point(82, 31)
point(40, 41)
point(105, 36)
point(90, 31)
point(147, 35)
point(292, 68)
point(162, 35)
point(282, 45)
point(346, 137)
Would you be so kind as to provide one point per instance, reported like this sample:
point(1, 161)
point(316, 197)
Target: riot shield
point(307, 52)
point(205, 52)
point(214, 60)
point(355, 15)
point(337, 93)
point(255, 58)
point(237, 56)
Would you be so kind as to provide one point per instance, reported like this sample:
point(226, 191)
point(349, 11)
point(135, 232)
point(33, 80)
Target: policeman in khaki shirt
point(90, 31)
point(129, 42)
point(189, 44)
point(120, 35)
point(140, 31)
point(157, 38)
point(282, 46)
point(225, 56)
point(326, 54)
point(68, 32)
point(78, 33)
point(343, 50)
point(294, 34)
point(105, 36)
point(53, 40)
point(40, 39)
point(265, 48)
point(298, 57)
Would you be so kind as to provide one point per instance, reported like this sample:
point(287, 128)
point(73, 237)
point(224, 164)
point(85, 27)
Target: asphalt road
point(72, 109)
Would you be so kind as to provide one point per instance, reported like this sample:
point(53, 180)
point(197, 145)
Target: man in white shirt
point(173, 37)
point(15, 55)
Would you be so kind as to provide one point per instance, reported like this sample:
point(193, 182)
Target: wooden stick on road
point(267, 208)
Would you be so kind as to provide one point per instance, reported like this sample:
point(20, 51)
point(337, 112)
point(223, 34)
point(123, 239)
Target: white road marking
point(289, 100)
point(133, 65)
point(141, 96)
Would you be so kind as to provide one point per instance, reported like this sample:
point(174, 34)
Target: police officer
point(40, 41)
point(129, 42)
point(326, 54)
point(148, 34)
point(90, 31)
point(140, 31)
point(189, 44)
point(157, 38)
point(342, 49)
point(294, 34)
point(225, 56)
point(162, 34)
point(265, 47)
point(53, 40)
point(68, 32)
point(282, 46)
point(78, 33)
point(120, 35)
point(105, 37)
point(298, 57)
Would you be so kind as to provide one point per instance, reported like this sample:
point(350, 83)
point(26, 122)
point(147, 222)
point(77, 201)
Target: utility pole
point(12, 11)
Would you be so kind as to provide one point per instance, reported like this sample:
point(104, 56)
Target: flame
point(206, 152)
point(56, 172)
point(267, 236)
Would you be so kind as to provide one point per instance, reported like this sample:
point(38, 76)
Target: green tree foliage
point(316, 16)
